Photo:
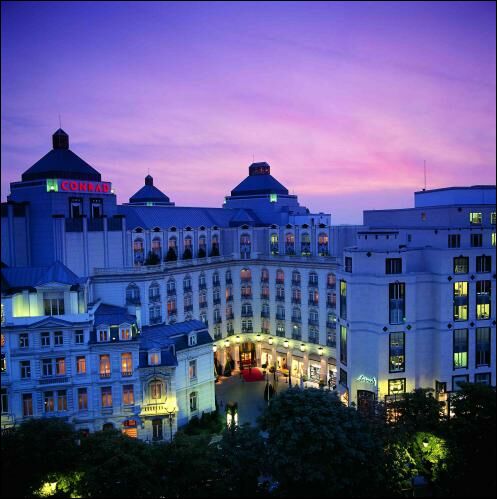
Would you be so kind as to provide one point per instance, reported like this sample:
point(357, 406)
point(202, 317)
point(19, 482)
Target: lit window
point(457, 380)
point(492, 218)
point(343, 345)
point(475, 218)
point(460, 342)
point(483, 299)
point(49, 402)
point(493, 238)
point(192, 369)
point(155, 390)
point(81, 364)
point(106, 396)
point(128, 395)
point(461, 265)
point(397, 352)
point(153, 359)
point(460, 300)
point(103, 335)
point(82, 399)
point(396, 386)
point(105, 366)
point(125, 334)
point(126, 364)
point(60, 366)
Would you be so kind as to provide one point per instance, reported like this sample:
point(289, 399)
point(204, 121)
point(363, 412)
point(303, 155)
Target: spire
point(149, 180)
point(60, 139)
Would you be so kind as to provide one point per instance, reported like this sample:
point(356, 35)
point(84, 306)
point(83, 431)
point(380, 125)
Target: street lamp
point(270, 340)
point(258, 337)
point(232, 415)
point(238, 339)
point(226, 343)
point(302, 347)
point(320, 350)
point(171, 410)
point(285, 343)
point(214, 348)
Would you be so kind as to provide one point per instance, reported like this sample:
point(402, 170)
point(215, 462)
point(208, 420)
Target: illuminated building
point(263, 274)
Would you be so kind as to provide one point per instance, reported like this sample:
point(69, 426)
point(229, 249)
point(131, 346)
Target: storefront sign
point(58, 185)
point(366, 379)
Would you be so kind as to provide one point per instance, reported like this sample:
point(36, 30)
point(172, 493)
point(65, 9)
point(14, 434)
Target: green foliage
point(201, 253)
point(187, 254)
point(317, 446)
point(34, 450)
point(209, 423)
point(215, 251)
point(171, 255)
point(152, 259)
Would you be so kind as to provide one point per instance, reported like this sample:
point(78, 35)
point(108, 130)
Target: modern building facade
point(363, 308)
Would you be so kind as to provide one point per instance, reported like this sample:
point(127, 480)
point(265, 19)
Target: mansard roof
point(61, 162)
point(111, 315)
point(165, 335)
point(31, 277)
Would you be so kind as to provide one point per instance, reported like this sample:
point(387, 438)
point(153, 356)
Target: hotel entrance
point(247, 355)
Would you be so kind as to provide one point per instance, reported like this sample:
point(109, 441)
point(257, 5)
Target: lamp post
point(171, 410)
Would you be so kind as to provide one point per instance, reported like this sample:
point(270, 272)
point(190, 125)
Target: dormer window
point(53, 303)
point(125, 333)
point(192, 339)
point(153, 358)
point(103, 335)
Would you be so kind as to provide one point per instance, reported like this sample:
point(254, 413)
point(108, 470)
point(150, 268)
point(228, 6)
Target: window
point(483, 299)
point(331, 281)
point(273, 244)
point(475, 218)
point(82, 399)
point(483, 264)
point(193, 402)
point(128, 395)
point(62, 400)
point(103, 335)
point(323, 244)
point(155, 389)
point(53, 306)
point(393, 266)
point(461, 265)
point(125, 334)
point(79, 337)
point(25, 369)
point(460, 301)
point(476, 240)
point(157, 429)
point(132, 294)
point(215, 280)
point(457, 380)
point(3, 365)
point(157, 247)
point(46, 367)
point(138, 251)
point(343, 345)
point(245, 246)
point(153, 359)
point(154, 315)
point(23, 340)
point(348, 264)
point(192, 370)
point(106, 396)
point(396, 386)
point(60, 366)
point(493, 238)
point(96, 208)
point(342, 380)
point(396, 363)
point(27, 404)
point(45, 339)
point(460, 343)
point(343, 299)
point(397, 302)
point(305, 244)
point(75, 207)
point(492, 218)
point(49, 401)
point(483, 378)
point(482, 346)
point(192, 339)
point(454, 241)
point(4, 399)
point(313, 279)
point(289, 243)
point(58, 338)
point(126, 364)
point(105, 366)
point(80, 364)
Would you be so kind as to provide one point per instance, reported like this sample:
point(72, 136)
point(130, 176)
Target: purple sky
point(344, 100)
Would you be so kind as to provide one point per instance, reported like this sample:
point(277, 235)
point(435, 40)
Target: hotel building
point(256, 280)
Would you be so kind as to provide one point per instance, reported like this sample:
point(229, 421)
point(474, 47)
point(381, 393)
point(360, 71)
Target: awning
point(314, 356)
point(332, 361)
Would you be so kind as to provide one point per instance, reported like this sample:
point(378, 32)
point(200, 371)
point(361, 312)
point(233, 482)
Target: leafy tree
point(171, 255)
point(471, 436)
point(187, 254)
point(317, 446)
point(33, 452)
point(215, 250)
point(152, 259)
point(201, 253)
point(115, 465)
point(227, 368)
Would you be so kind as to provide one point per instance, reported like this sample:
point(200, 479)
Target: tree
point(215, 250)
point(187, 254)
point(201, 253)
point(152, 259)
point(171, 255)
point(317, 446)
point(35, 451)
point(471, 435)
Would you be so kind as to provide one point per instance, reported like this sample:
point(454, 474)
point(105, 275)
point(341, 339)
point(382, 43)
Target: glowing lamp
point(258, 337)
point(226, 343)
point(320, 350)
point(214, 348)
point(238, 339)
point(302, 347)
point(285, 343)
point(270, 340)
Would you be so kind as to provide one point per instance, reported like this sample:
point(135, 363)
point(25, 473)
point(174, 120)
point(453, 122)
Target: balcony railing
point(229, 281)
point(216, 301)
point(53, 380)
point(296, 300)
point(247, 313)
point(296, 282)
point(246, 296)
point(296, 336)
point(230, 316)
point(265, 314)
point(202, 285)
point(171, 292)
point(229, 298)
point(105, 375)
point(265, 296)
point(218, 320)
point(187, 289)
point(126, 373)
point(296, 319)
point(203, 304)
point(313, 322)
point(280, 281)
point(280, 297)
point(312, 301)
point(280, 317)
point(247, 329)
point(314, 339)
point(331, 324)
point(188, 308)
point(154, 298)
point(133, 300)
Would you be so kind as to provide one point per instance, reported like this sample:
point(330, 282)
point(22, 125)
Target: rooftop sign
point(80, 186)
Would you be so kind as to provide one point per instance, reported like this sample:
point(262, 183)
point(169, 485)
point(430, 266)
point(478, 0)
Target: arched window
point(188, 248)
point(296, 315)
point(313, 279)
point(289, 243)
point(323, 244)
point(280, 277)
point(171, 286)
point(187, 284)
point(172, 250)
point(296, 278)
point(229, 279)
point(273, 244)
point(138, 251)
point(157, 247)
point(264, 275)
point(331, 281)
point(132, 294)
point(202, 283)
point(245, 246)
point(245, 275)
point(156, 389)
point(305, 244)
point(313, 296)
point(202, 247)
point(154, 292)
point(214, 245)
point(215, 279)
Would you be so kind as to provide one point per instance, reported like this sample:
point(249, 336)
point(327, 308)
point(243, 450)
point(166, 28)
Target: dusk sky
point(343, 100)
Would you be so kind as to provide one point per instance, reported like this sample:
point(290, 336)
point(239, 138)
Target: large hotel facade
point(122, 314)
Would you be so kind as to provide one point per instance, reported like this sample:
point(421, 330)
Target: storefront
point(332, 372)
point(314, 368)
point(266, 358)
point(297, 366)
point(281, 361)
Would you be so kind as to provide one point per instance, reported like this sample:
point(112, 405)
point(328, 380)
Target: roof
point(165, 335)
point(30, 277)
point(112, 315)
point(259, 181)
point(60, 162)
point(149, 193)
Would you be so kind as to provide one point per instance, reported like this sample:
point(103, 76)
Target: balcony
point(313, 322)
point(126, 373)
point(331, 342)
point(153, 409)
point(218, 320)
point(297, 336)
point(331, 324)
point(203, 304)
point(187, 289)
point(202, 285)
point(230, 316)
point(331, 285)
point(188, 308)
point(229, 280)
point(154, 298)
point(246, 296)
point(280, 334)
point(331, 304)
point(280, 281)
point(53, 380)
point(312, 283)
point(314, 302)
point(217, 336)
point(105, 375)
point(314, 339)
point(247, 329)
point(296, 282)
point(229, 298)
point(133, 300)
point(172, 312)
point(171, 292)
point(265, 279)
point(265, 296)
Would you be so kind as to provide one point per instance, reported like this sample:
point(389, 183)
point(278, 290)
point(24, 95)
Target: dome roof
point(259, 181)
point(149, 194)
point(61, 162)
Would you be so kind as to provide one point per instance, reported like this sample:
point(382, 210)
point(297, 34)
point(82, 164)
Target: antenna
point(60, 122)
point(424, 171)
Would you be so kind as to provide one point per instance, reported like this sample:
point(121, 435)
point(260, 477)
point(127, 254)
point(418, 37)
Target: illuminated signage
point(366, 379)
point(273, 198)
point(58, 185)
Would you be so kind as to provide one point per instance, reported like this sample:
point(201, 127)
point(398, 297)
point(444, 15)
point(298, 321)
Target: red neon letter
point(64, 185)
